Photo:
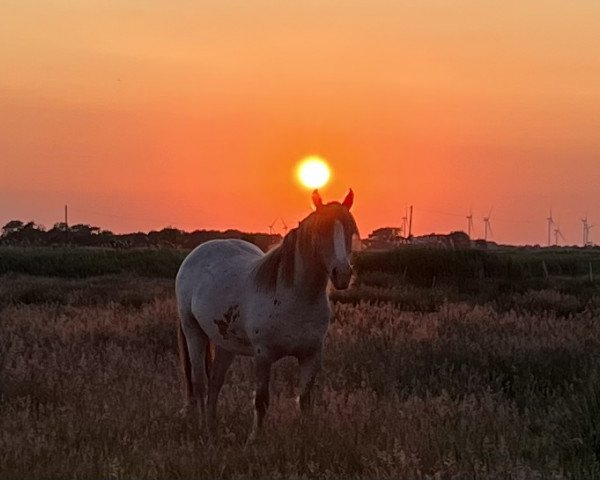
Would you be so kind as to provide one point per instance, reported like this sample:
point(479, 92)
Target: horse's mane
point(281, 258)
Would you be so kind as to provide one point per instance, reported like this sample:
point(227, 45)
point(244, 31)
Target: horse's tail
point(186, 366)
point(209, 356)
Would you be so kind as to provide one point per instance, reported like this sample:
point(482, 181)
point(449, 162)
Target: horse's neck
point(309, 280)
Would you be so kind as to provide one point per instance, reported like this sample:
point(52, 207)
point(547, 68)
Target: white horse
point(267, 306)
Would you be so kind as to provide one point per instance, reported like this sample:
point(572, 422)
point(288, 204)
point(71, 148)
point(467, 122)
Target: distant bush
point(423, 266)
point(18, 233)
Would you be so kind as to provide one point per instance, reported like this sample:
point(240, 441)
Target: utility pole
point(410, 222)
point(66, 224)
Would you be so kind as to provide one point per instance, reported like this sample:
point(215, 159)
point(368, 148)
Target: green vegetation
point(87, 262)
point(414, 265)
point(422, 266)
point(468, 376)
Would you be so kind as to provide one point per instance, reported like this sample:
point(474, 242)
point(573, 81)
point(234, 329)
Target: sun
point(313, 172)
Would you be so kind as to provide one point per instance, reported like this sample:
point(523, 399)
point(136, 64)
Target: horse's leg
point(220, 365)
point(262, 369)
point(197, 343)
point(309, 367)
point(186, 367)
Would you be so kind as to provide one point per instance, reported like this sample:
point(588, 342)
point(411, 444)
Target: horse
point(234, 299)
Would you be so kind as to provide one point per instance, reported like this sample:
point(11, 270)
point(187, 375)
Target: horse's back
point(217, 259)
point(217, 252)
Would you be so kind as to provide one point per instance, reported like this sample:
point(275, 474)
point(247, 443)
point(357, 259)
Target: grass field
point(489, 378)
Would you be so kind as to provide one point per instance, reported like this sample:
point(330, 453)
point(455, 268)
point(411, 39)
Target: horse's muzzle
point(340, 277)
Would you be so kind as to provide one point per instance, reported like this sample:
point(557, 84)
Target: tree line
point(20, 233)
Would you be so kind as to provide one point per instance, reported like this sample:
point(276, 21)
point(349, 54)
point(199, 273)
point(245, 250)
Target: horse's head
point(332, 231)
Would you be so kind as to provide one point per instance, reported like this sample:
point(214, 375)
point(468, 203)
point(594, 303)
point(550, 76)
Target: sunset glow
point(313, 172)
point(140, 115)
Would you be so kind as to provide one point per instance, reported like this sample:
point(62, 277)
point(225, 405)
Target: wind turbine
point(488, 226)
point(550, 224)
point(271, 226)
point(404, 220)
point(558, 233)
point(470, 222)
point(586, 231)
point(285, 227)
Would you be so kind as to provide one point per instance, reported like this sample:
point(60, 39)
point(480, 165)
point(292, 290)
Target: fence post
point(545, 269)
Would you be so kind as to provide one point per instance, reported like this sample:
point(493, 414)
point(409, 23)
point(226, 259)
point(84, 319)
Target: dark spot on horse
point(222, 325)
point(231, 315)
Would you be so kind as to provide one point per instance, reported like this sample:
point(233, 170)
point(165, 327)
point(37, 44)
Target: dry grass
point(90, 389)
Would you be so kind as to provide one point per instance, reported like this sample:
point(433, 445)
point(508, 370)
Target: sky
point(140, 114)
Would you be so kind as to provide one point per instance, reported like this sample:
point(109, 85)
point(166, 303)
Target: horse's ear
point(349, 200)
point(317, 200)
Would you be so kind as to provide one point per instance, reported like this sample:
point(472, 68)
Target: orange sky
point(141, 114)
